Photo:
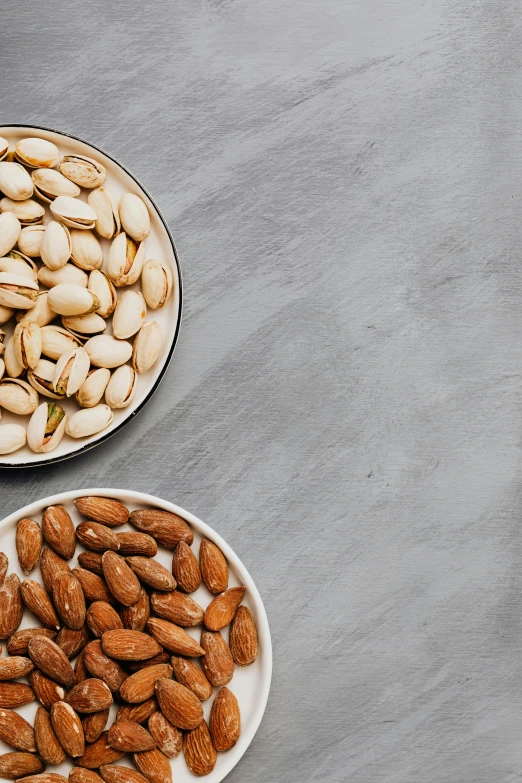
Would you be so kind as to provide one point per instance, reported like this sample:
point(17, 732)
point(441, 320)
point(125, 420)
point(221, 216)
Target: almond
point(105, 510)
point(68, 728)
point(72, 641)
point(99, 753)
point(214, 568)
point(137, 712)
point(17, 644)
point(15, 694)
point(69, 600)
point(130, 737)
point(217, 663)
point(46, 690)
point(38, 602)
point(16, 765)
point(99, 665)
point(125, 645)
point(243, 637)
point(102, 617)
point(91, 695)
point(94, 723)
point(96, 537)
point(185, 568)
point(132, 543)
point(82, 775)
point(225, 720)
point(173, 638)
point(152, 573)
point(221, 610)
point(93, 586)
point(200, 754)
point(179, 705)
point(168, 529)
point(135, 617)
point(140, 686)
point(58, 531)
point(91, 561)
point(4, 565)
point(192, 677)
point(80, 669)
point(11, 607)
point(28, 544)
point(161, 657)
point(47, 742)
point(14, 667)
point(121, 580)
point(44, 777)
point(178, 608)
point(51, 660)
point(113, 773)
point(167, 737)
point(51, 564)
point(154, 765)
point(16, 732)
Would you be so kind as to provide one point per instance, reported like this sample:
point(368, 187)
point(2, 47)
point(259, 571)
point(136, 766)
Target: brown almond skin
point(217, 662)
point(93, 586)
point(135, 617)
point(102, 617)
point(91, 561)
point(4, 565)
point(133, 543)
point(11, 606)
point(221, 610)
point(113, 773)
point(152, 573)
point(96, 537)
point(104, 510)
point(173, 638)
point(17, 644)
point(214, 568)
point(82, 775)
point(44, 777)
point(16, 731)
point(185, 568)
point(58, 531)
point(99, 753)
point(138, 712)
point(178, 608)
point(168, 529)
point(94, 723)
point(15, 694)
point(51, 660)
point(68, 728)
point(69, 600)
point(101, 666)
point(225, 720)
point(154, 765)
point(178, 704)
point(192, 677)
point(121, 580)
point(243, 637)
point(140, 686)
point(91, 695)
point(80, 668)
point(125, 645)
point(72, 641)
point(51, 564)
point(47, 691)
point(14, 667)
point(47, 742)
point(129, 737)
point(136, 666)
point(16, 765)
point(28, 544)
point(200, 754)
point(38, 602)
point(167, 737)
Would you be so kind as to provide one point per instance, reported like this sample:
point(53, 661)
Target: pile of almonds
point(58, 292)
point(121, 614)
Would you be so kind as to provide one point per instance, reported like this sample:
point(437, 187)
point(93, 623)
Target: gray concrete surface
point(343, 180)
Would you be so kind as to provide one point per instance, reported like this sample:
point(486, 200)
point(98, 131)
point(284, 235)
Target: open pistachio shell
point(91, 391)
point(4, 147)
point(156, 283)
point(28, 212)
point(37, 153)
point(107, 217)
point(70, 372)
point(12, 366)
point(101, 286)
point(129, 315)
point(17, 291)
point(15, 181)
point(121, 387)
point(147, 345)
point(12, 438)
point(27, 343)
point(89, 421)
point(125, 260)
point(17, 266)
point(55, 249)
point(134, 217)
point(49, 184)
point(84, 326)
point(41, 379)
point(17, 396)
point(84, 171)
point(10, 228)
point(72, 212)
point(46, 427)
point(106, 351)
point(41, 313)
point(56, 341)
point(71, 299)
point(30, 240)
point(65, 274)
point(86, 250)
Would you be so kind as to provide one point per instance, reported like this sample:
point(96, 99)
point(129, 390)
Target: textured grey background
point(343, 180)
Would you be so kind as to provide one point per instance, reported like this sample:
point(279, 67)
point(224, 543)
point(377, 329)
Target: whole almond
point(217, 662)
point(51, 564)
point(221, 610)
point(243, 637)
point(94, 723)
point(72, 641)
point(192, 677)
point(125, 645)
point(69, 600)
point(58, 531)
point(135, 617)
point(132, 543)
point(130, 737)
point(161, 657)
point(200, 754)
point(80, 670)
point(113, 773)
point(17, 644)
point(44, 777)
point(102, 617)
point(121, 580)
point(167, 737)
point(177, 607)
point(168, 529)
point(99, 753)
point(178, 704)
point(93, 586)
point(152, 573)
point(4, 565)
point(51, 660)
point(99, 665)
point(225, 720)
point(140, 686)
point(82, 775)
point(28, 544)
point(15, 694)
point(138, 712)
point(91, 561)
point(105, 510)
point(47, 691)
point(91, 695)
point(38, 602)
point(214, 568)
point(16, 732)
point(11, 606)
point(68, 728)
point(173, 638)
point(14, 667)
point(154, 765)
point(96, 537)
point(185, 568)
point(17, 765)
point(47, 742)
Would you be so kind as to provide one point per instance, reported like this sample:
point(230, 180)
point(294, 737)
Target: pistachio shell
point(73, 212)
point(89, 421)
point(106, 351)
point(101, 286)
point(27, 343)
point(55, 249)
point(129, 315)
point(86, 252)
point(84, 326)
point(15, 182)
point(71, 299)
point(17, 266)
point(10, 229)
point(17, 396)
point(41, 379)
point(121, 387)
point(107, 217)
point(56, 341)
point(70, 372)
point(125, 260)
point(49, 184)
point(30, 240)
point(5, 314)
point(2, 368)
point(46, 427)
point(17, 291)
point(28, 212)
point(12, 365)
point(147, 346)
point(156, 283)
point(4, 147)
point(12, 438)
point(84, 171)
point(91, 391)
point(41, 313)
point(134, 216)
point(65, 274)
point(36, 152)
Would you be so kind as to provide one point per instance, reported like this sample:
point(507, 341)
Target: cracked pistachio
point(72, 212)
point(41, 379)
point(49, 184)
point(71, 299)
point(10, 228)
point(15, 181)
point(129, 315)
point(89, 421)
point(12, 438)
point(41, 313)
point(91, 391)
point(28, 212)
point(17, 396)
point(27, 343)
point(101, 286)
point(36, 153)
point(121, 387)
point(30, 240)
point(65, 274)
point(70, 372)
point(86, 250)
point(134, 217)
point(125, 260)
point(55, 249)
point(46, 427)
point(147, 345)
point(106, 351)
point(84, 171)
point(107, 216)
point(17, 291)
point(56, 341)
point(156, 283)
point(12, 366)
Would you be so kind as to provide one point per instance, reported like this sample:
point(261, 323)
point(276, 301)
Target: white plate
point(159, 245)
point(250, 684)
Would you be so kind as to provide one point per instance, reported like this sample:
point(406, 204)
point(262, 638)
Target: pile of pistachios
point(57, 294)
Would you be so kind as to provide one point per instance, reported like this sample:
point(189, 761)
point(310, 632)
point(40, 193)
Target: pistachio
point(106, 351)
point(84, 326)
point(15, 182)
point(147, 346)
point(156, 283)
point(55, 249)
point(12, 365)
point(17, 396)
point(86, 252)
point(70, 372)
point(2, 368)
point(41, 379)
point(71, 299)
point(4, 147)
point(10, 228)
point(35, 152)
point(46, 427)
point(18, 264)
point(73, 212)
point(91, 391)
point(30, 240)
point(41, 313)
point(134, 217)
point(17, 291)
point(5, 314)
point(107, 217)
point(84, 171)
point(125, 260)
point(89, 421)
point(27, 343)
point(28, 212)
point(121, 387)
point(49, 184)
point(65, 274)
point(129, 315)
point(57, 341)
point(2, 344)
point(12, 438)
point(101, 286)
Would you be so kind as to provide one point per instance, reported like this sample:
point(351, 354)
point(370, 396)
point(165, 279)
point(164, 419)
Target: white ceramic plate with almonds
point(250, 683)
point(83, 186)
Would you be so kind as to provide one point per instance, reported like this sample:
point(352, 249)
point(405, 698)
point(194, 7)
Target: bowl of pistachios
point(90, 296)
